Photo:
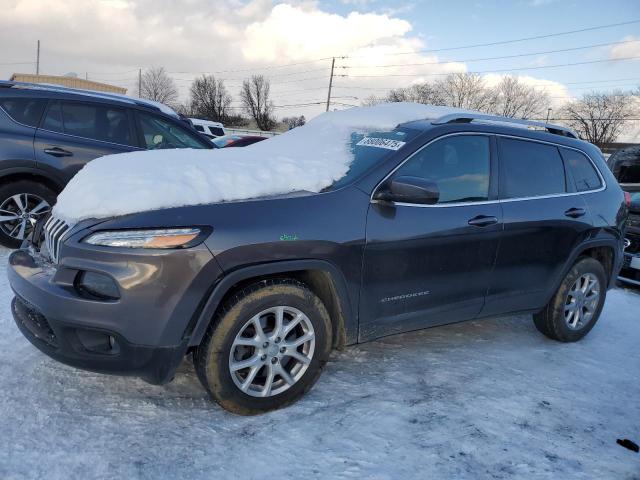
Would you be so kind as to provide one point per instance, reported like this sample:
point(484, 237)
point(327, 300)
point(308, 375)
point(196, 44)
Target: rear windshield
point(372, 149)
point(629, 174)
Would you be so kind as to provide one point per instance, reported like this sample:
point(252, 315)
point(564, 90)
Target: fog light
point(97, 285)
point(97, 342)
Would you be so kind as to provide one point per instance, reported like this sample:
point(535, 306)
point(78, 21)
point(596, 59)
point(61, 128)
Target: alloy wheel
point(272, 351)
point(19, 213)
point(582, 301)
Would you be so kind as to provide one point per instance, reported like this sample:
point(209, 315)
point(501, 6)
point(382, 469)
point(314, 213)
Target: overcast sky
point(109, 40)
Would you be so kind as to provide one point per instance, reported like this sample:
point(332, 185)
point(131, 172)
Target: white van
point(208, 128)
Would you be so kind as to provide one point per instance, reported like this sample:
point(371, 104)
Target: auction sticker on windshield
point(387, 143)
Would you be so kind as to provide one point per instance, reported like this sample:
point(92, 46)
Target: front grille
point(54, 232)
point(34, 321)
point(634, 244)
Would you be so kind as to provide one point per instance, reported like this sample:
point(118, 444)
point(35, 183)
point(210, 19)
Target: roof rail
point(470, 117)
point(80, 91)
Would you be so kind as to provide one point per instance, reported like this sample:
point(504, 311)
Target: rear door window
point(24, 110)
point(582, 170)
point(530, 169)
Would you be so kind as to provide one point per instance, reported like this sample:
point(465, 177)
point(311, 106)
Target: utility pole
point(139, 83)
point(548, 113)
point(333, 63)
point(38, 59)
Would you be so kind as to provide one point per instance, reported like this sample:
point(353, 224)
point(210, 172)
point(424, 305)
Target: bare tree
point(293, 122)
point(182, 109)
point(515, 99)
point(466, 90)
point(237, 120)
point(600, 117)
point(256, 102)
point(425, 93)
point(156, 85)
point(372, 100)
point(210, 99)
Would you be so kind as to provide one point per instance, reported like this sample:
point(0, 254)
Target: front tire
point(265, 348)
point(576, 306)
point(22, 203)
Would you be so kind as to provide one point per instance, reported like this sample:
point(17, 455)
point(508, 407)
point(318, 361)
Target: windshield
point(370, 150)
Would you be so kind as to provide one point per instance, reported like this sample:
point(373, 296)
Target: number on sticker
point(387, 143)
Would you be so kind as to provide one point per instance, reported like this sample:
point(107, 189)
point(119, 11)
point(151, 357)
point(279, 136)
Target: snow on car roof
point(307, 158)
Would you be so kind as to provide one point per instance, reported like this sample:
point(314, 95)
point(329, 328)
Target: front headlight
point(165, 238)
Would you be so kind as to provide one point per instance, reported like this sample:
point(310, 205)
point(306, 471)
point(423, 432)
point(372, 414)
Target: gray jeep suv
point(472, 217)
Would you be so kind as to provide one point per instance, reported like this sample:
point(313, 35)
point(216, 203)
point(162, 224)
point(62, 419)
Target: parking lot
point(489, 399)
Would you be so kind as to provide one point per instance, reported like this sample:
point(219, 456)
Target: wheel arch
point(322, 277)
point(603, 250)
point(30, 173)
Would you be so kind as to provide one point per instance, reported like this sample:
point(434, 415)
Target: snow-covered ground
point(487, 399)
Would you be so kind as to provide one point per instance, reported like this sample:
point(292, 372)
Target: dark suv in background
point(625, 165)
point(48, 133)
point(474, 216)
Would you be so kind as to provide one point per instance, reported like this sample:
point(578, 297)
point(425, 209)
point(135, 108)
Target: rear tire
point(576, 306)
point(20, 207)
point(281, 331)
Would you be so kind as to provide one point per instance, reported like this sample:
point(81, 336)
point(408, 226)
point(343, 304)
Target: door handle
point(58, 152)
point(575, 212)
point(483, 221)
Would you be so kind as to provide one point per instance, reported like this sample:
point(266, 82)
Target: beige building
point(71, 82)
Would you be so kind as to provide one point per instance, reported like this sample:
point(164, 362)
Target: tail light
point(627, 199)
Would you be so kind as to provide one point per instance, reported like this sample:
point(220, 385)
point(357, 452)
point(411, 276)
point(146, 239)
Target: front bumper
point(95, 350)
point(144, 333)
point(630, 272)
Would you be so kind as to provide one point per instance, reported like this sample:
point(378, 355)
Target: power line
point(504, 42)
point(277, 75)
point(494, 58)
point(363, 87)
point(590, 119)
point(539, 67)
point(18, 63)
point(299, 105)
point(247, 69)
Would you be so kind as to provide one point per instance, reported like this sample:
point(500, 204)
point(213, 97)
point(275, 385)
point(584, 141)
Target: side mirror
point(407, 189)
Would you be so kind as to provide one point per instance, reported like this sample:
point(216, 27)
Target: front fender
point(349, 319)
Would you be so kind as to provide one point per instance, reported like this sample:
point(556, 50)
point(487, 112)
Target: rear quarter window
point(24, 110)
point(582, 170)
point(530, 169)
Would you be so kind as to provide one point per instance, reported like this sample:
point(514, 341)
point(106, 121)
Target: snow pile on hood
point(308, 158)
